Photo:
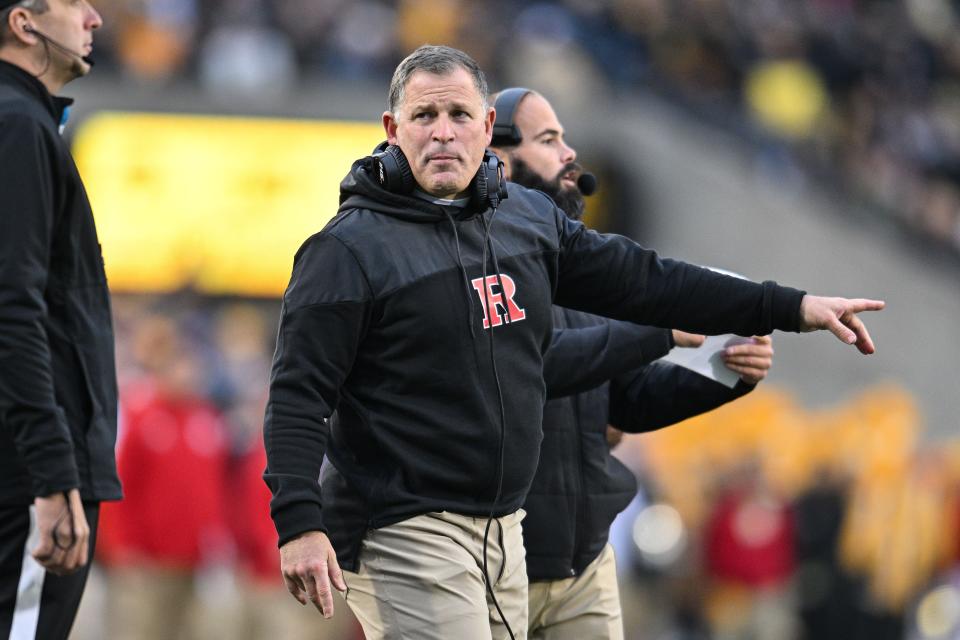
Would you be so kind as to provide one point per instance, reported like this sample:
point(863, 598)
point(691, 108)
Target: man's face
point(543, 160)
point(443, 129)
point(70, 23)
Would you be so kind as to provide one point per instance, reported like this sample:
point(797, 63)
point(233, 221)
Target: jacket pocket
point(93, 402)
point(91, 333)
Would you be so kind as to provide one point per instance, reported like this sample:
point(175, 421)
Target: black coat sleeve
point(613, 276)
point(324, 316)
point(580, 359)
point(662, 393)
point(28, 407)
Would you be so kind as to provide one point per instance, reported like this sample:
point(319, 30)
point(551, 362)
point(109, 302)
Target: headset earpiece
point(480, 186)
point(488, 187)
point(505, 130)
point(392, 170)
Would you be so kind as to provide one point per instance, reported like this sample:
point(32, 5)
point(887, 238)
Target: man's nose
point(93, 19)
point(568, 154)
point(443, 129)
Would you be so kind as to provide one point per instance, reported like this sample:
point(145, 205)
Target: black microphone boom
point(587, 183)
point(57, 45)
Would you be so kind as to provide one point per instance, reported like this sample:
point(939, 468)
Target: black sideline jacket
point(58, 388)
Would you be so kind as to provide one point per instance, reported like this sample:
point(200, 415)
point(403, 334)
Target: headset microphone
point(587, 184)
point(87, 59)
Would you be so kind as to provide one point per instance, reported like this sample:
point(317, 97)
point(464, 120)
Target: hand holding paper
point(752, 361)
point(708, 359)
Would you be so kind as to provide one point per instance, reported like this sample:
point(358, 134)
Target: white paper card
point(707, 359)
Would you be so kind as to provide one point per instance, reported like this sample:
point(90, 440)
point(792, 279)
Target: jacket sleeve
point(662, 393)
point(324, 316)
point(613, 276)
point(580, 359)
point(28, 407)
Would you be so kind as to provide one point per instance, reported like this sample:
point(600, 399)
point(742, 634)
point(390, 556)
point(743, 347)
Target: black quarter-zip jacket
point(58, 387)
point(383, 322)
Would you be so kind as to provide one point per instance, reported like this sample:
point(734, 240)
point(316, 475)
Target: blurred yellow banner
point(218, 203)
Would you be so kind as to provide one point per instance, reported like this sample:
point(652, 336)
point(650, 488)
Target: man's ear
point(390, 127)
point(488, 123)
point(18, 21)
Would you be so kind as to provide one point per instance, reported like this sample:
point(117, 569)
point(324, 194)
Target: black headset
point(392, 171)
point(505, 131)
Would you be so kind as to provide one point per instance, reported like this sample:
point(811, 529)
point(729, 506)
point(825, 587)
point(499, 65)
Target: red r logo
point(501, 301)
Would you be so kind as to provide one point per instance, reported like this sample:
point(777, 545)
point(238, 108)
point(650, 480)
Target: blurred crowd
point(191, 551)
point(860, 94)
point(762, 520)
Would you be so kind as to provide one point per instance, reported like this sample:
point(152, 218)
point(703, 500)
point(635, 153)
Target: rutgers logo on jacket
point(503, 304)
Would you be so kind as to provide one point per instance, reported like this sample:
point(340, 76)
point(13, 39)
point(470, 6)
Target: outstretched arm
point(613, 276)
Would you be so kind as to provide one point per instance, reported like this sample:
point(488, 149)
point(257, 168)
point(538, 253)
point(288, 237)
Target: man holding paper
point(603, 374)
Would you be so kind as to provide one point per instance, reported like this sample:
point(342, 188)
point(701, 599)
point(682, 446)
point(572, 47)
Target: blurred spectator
point(307, 23)
point(153, 39)
point(362, 40)
point(749, 542)
point(825, 591)
point(429, 21)
point(244, 54)
point(172, 459)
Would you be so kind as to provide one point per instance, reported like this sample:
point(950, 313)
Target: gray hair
point(439, 60)
point(36, 6)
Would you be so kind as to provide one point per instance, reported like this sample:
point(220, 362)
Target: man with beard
point(579, 488)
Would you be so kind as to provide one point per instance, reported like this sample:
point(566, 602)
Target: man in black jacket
point(579, 487)
point(420, 314)
point(58, 392)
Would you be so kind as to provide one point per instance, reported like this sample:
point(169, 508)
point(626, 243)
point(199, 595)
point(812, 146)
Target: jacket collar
point(28, 84)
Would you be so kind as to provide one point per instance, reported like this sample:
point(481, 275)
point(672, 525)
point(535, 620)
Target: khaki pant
point(423, 578)
point(580, 608)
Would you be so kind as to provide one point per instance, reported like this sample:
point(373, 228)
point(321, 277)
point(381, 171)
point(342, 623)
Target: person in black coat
point(58, 389)
point(579, 487)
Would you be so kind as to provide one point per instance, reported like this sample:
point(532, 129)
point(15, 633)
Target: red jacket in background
point(172, 459)
point(253, 529)
point(750, 541)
